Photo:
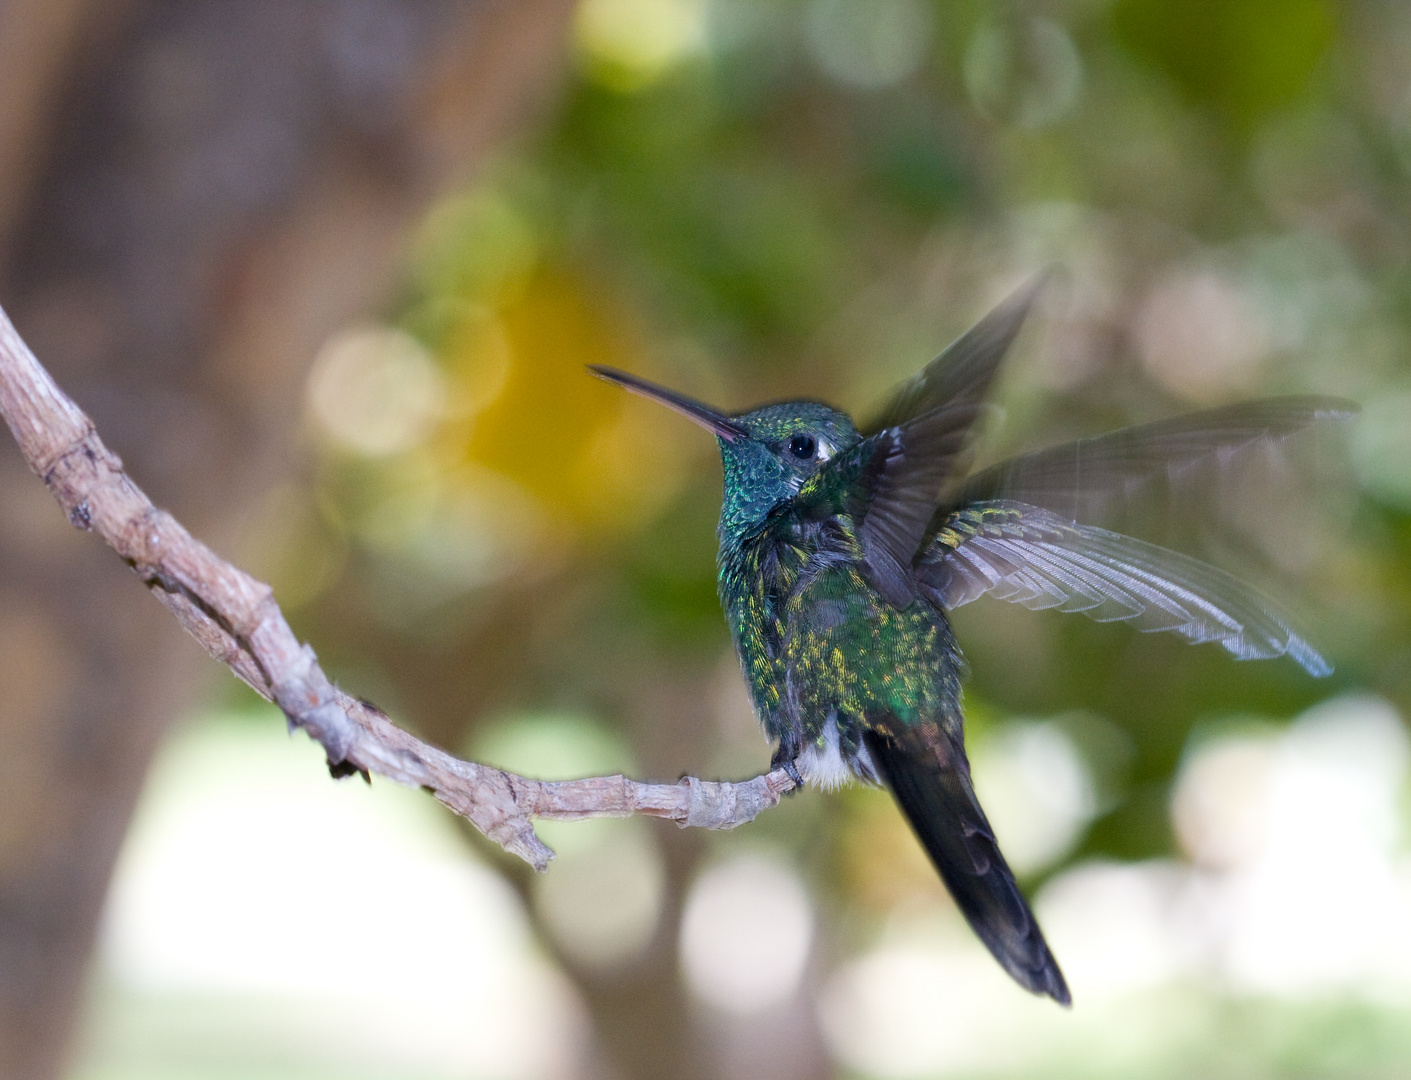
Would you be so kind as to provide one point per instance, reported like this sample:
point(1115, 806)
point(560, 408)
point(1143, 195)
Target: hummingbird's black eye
point(803, 447)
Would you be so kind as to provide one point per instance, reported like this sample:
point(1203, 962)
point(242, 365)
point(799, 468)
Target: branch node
point(715, 805)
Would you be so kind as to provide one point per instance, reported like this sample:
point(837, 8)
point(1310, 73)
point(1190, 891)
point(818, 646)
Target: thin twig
point(237, 621)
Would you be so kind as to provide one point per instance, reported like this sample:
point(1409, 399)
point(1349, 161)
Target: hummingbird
point(843, 549)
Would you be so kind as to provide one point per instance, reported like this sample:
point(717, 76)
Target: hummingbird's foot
point(792, 769)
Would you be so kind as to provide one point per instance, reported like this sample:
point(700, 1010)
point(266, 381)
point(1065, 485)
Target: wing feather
point(1032, 556)
point(1077, 478)
point(922, 441)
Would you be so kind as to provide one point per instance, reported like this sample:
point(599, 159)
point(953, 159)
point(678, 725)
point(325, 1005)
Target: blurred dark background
point(326, 273)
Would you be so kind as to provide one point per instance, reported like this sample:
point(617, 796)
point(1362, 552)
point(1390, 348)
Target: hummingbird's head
point(767, 453)
point(797, 436)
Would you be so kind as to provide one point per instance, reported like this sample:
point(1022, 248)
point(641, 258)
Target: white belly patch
point(822, 763)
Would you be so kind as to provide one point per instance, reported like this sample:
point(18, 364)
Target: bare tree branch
point(237, 621)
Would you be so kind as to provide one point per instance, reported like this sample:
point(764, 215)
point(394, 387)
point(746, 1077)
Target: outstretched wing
point(921, 442)
point(1034, 557)
point(927, 771)
point(1077, 477)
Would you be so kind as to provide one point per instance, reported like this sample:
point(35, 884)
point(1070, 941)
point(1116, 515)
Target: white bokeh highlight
point(746, 932)
point(1313, 895)
point(250, 877)
point(602, 901)
point(1036, 791)
point(376, 390)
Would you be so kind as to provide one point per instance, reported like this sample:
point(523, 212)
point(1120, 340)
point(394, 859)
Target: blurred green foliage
point(1245, 59)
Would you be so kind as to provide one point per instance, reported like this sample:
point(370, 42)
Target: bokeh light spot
point(929, 1001)
point(631, 42)
point(1202, 336)
point(553, 746)
point(249, 877)
point(1381, 446)
point(1037, 792)
point(745, 934)
point(474, 245)
point(376, 390)
point(1028, 73)
point(464, 529)
point(1115, 926)
point(1317, 897)
point(602, 902)
point(1220, 806)
point(869, 43)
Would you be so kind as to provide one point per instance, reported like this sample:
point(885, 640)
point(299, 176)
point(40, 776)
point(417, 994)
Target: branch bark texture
point(237, 621)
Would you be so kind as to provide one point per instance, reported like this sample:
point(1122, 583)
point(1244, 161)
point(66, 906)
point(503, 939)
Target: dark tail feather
point(940, 804)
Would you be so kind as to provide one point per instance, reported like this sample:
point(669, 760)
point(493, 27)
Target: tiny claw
point(792, 769)
point(343, 769)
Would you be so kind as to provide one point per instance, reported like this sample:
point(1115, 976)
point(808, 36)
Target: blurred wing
point(927, 771)
point(1031, 556)
point(922, 440)
point(963, 372)
point(1073, 476)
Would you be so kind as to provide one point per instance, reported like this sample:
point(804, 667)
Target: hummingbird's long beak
point(691, 409)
